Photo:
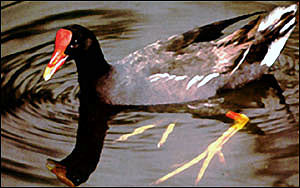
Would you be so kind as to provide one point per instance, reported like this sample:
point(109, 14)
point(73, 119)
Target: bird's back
point(195, 65)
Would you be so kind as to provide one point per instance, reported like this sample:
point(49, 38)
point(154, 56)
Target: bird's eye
point(74, 44)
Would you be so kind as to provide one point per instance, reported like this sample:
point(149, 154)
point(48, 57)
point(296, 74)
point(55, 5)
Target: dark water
point(39, 119)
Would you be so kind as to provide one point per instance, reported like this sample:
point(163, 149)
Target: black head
point(82, 41)
point(78, 43)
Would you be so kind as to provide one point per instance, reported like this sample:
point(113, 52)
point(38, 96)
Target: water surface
point(39, 119)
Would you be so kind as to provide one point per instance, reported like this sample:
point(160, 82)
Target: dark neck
point(91, 66)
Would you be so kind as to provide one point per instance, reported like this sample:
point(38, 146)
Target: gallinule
point(186, 67)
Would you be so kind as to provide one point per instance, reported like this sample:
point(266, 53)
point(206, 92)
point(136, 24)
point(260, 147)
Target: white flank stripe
point(180, 78)
point(158, 76)
point(171, 77)
point(208, 78)
point(154, 79)
point(193, 81)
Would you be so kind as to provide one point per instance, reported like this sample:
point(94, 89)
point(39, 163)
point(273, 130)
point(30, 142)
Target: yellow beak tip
point(46, 78)
point(47, 74)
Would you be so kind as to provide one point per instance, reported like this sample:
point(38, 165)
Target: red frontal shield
point(62, 40)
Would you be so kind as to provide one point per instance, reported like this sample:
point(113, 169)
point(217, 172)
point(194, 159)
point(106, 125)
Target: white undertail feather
point(274, 50)
point(288, 25)
point(275, 15)
point(278, 44)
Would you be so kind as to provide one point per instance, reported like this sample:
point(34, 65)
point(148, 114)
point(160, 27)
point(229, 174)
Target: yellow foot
point(240, 120)
point(60, 171)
